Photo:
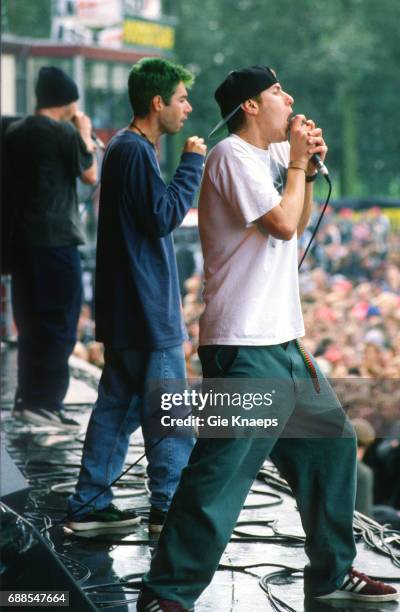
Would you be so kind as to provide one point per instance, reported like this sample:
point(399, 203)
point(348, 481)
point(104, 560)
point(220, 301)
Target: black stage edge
point(14, 489)
point(29, 564)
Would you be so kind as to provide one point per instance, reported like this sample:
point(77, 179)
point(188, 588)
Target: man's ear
point(250, 106)
point(157, 103)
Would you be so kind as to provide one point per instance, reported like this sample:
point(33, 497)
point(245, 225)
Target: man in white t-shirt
point(255, 201)
point(251, 281)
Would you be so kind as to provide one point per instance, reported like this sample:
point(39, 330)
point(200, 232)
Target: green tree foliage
point(32, 18)
point(339, 59)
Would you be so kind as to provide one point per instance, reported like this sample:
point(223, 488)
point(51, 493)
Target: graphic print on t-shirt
point(279, 175)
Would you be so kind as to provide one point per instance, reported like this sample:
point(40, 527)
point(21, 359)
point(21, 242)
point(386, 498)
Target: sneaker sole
point(37, 419)
point(357, 597)
point(154, 606)
point(101, 525)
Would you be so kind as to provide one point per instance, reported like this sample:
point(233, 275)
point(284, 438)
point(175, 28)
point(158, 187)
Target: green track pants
point(215, 484)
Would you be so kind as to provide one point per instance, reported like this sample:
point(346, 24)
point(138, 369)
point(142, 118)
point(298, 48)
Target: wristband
point(310, 178)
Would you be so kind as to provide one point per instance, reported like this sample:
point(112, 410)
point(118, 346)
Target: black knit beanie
point(55, 88)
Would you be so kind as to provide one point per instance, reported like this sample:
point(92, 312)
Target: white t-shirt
point(251, 289)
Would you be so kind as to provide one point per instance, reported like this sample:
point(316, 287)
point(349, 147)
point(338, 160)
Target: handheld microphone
point(317, 161)
point(98, 142)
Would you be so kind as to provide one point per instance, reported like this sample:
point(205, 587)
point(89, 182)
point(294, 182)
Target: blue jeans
point(122, 406)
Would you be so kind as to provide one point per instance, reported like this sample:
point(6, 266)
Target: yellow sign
point(148, 34)
point(393, 215)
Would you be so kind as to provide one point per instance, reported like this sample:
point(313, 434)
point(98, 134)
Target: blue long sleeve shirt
point(137, 291)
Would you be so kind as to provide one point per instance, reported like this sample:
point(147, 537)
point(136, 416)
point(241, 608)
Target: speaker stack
point(27, 561)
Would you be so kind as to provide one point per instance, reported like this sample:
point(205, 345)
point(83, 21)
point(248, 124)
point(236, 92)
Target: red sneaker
point(149, 603)
point(359, 587)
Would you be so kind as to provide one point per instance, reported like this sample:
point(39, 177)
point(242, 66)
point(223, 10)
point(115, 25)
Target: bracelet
point(300, 165)
point(293, 167)
point(310, 178)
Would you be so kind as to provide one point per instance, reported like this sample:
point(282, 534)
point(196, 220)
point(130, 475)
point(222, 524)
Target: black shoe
point(156, 520)
point(149, 603)
point(108, 519)
point(50, 418)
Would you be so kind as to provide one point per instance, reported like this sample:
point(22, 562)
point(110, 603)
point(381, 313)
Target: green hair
point(154, 76)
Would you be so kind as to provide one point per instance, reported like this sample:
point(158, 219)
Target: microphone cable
point(326, 177)
point(104, 489)
point(321, 168)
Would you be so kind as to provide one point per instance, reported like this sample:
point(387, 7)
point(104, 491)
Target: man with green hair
point(138, 310)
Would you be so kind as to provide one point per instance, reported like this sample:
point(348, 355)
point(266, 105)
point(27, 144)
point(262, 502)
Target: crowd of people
point(86, 347)
point(352, 316)
point(350, 287)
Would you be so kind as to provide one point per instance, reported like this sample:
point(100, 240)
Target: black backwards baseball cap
point(55, 88)
point(239, 86)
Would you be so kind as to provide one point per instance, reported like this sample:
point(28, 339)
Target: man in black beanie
point(45, 154)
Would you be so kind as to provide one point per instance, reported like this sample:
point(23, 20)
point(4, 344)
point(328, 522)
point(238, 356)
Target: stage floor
point(50, 462)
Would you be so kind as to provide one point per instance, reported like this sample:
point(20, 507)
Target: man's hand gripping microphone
point(315, 158)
